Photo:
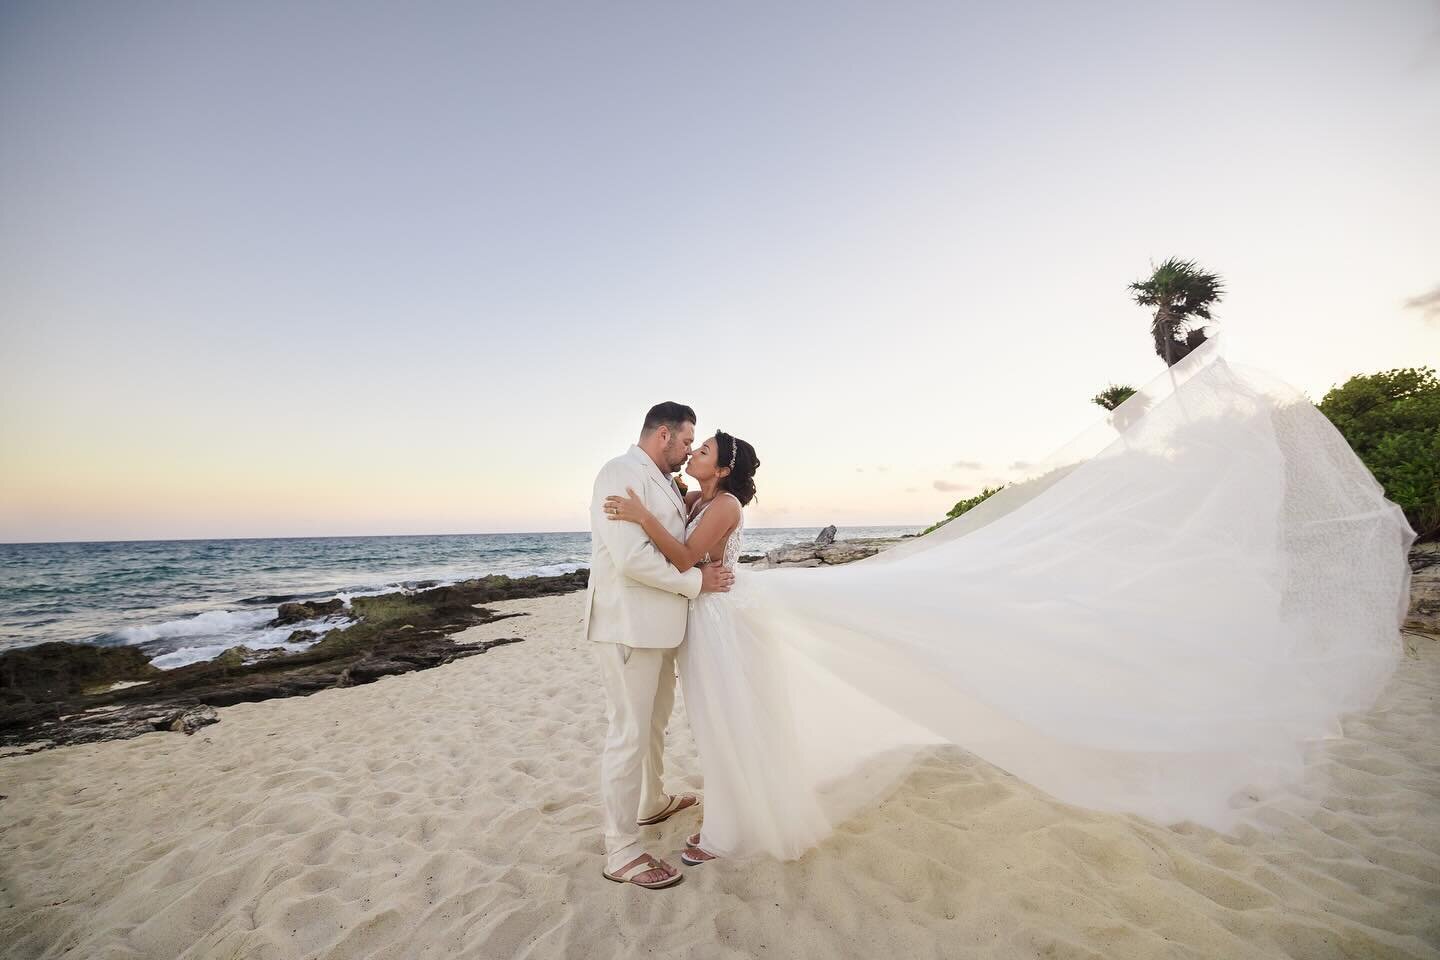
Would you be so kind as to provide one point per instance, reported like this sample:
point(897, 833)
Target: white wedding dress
point(1161, 620)
point(759, 797)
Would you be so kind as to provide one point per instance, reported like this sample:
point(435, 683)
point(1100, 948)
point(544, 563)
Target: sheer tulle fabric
point(1158, 622)
point(759, 797)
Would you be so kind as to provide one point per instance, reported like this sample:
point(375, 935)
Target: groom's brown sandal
point(681, 801)
point(642, 865)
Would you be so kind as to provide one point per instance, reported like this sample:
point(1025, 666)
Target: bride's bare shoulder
point(727, 505)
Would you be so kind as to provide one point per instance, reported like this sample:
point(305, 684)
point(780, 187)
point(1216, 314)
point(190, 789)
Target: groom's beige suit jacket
point(635, 596)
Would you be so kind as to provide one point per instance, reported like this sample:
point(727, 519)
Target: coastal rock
point(795, 553)
point(233, 658)
point(837, 553)
point(309, 610)
point(243, 656)
point(51, 671)
point(1424, 615)
point(189, 720)
point(373, 669)
point(832, 554)
point(826, 536)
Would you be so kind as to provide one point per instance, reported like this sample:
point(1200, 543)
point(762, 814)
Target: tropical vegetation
point(1392, 421)
point(1181, 292)
point(1113, 395)
point(964, 506)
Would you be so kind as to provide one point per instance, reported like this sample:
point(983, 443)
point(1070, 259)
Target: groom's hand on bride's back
point(715, 579)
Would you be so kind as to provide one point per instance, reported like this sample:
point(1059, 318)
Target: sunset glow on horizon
point(417, 274)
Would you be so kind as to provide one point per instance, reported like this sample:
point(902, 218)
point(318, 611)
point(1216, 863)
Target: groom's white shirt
point(635, 597)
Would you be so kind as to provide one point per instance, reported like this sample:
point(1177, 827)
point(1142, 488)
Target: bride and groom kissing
point(662, 564)
point(1038, 632)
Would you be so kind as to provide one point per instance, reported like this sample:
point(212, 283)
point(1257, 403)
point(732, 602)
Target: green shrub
point(963, 506)
point(1392, 421)
point(1113, 395)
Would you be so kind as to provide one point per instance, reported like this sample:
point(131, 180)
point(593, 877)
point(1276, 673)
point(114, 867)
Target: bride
point(1160, 619)
point(758, 798)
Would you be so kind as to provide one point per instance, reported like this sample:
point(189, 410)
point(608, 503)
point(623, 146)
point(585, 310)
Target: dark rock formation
point(311, 610)
point(61, 693)
point(1424, 616)
point(53, 671)
point(827, 536)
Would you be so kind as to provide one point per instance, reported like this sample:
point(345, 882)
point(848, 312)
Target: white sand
point(452, 812)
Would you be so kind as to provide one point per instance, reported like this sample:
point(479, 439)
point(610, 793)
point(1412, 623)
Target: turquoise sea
point(182, 601)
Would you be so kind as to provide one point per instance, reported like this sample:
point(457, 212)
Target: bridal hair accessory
point(734, 449)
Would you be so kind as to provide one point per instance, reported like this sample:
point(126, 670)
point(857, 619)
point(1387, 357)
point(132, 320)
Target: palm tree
point(1178, 290)
point(1113, 395)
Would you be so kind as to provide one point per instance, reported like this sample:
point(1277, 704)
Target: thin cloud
point(968, 465)
point(1021, 465)
point(945, 486)
point(1428, 304)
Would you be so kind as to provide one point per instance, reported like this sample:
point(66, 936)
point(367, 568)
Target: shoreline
point(186, 601)
point(58, 694)
point(61, 693)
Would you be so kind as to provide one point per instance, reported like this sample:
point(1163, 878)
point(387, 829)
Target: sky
point(274, 269)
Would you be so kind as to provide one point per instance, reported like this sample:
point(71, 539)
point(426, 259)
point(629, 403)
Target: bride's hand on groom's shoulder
point(626, 508)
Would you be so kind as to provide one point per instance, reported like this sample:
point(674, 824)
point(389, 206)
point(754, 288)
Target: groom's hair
point(667, 414)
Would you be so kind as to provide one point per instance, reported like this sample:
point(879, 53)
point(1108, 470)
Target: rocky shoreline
point(57, 694)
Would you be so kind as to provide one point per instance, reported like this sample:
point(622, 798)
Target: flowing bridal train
point(1159, 621)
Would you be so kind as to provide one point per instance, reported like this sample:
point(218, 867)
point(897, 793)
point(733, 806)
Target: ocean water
point(184, 601)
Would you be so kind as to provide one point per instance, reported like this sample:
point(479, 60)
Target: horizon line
point(377, 536)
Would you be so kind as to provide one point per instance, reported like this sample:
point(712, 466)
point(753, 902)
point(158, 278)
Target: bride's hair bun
point(741, 481)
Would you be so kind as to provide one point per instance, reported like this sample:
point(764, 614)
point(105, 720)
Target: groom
point(635, 610)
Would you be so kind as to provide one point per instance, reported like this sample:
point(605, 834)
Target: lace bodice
point(732, 543)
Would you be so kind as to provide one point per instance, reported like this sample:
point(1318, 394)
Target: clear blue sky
point(286, 269)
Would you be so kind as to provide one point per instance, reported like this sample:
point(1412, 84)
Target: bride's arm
point(719, 519)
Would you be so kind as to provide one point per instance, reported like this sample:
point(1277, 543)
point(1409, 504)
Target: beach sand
point(453, 812)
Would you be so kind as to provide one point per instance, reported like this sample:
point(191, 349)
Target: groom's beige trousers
point(639, 696)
